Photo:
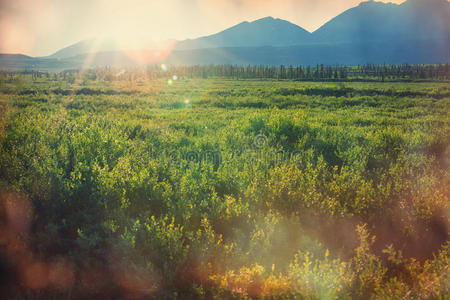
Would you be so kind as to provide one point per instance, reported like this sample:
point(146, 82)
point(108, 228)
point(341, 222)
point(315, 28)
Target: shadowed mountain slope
point(263, 32)
point(378, 21)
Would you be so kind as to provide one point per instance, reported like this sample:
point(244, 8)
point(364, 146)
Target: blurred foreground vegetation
point(118, 184)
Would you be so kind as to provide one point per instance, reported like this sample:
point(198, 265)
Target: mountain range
point(416, 32)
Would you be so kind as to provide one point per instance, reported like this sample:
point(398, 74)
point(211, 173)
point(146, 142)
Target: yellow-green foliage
point(229, 189)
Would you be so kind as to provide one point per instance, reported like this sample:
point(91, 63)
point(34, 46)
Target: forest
point(225, 182)
point(321, 72)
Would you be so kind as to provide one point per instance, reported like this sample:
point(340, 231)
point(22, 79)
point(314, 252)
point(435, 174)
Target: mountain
point(378, 21)
point(263, 32)
point(429, 52)
point(86, 46)
point(415, 32)
point(23, 62)
point(15, 61)
point(423, 52)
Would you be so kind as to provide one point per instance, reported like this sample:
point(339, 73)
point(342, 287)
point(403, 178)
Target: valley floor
point(219, 188)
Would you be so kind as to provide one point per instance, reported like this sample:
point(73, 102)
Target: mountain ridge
point(372, 21)
point(395, 30)
point(266, 31)
point(244, 34)
point(368, 21)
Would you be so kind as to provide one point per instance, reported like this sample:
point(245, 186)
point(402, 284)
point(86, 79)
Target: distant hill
point(388, 22)
point(86, 46)
point(23, 62)
point(263, 32)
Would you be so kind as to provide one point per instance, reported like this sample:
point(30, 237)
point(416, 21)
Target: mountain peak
point(373, 3)
point(271, 21)
point(427, 3)
point(269, 18)
point(379, 21)
point(266, 31)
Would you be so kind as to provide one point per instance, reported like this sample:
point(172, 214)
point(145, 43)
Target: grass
point(222, 188)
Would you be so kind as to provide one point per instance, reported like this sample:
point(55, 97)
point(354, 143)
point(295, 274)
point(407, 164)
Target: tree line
point(315, 73)
point(369, 72)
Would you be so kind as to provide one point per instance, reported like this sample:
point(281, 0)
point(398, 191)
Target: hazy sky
point(40, 27)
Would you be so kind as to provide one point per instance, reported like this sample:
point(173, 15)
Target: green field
point(222, 188)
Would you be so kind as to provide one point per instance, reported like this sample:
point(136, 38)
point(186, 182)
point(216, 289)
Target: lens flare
point(120, 73)
point(148, 56)
point(14, 38)
point(36, 276)
point(61, 273)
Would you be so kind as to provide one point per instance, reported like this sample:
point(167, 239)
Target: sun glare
point(148, 52)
